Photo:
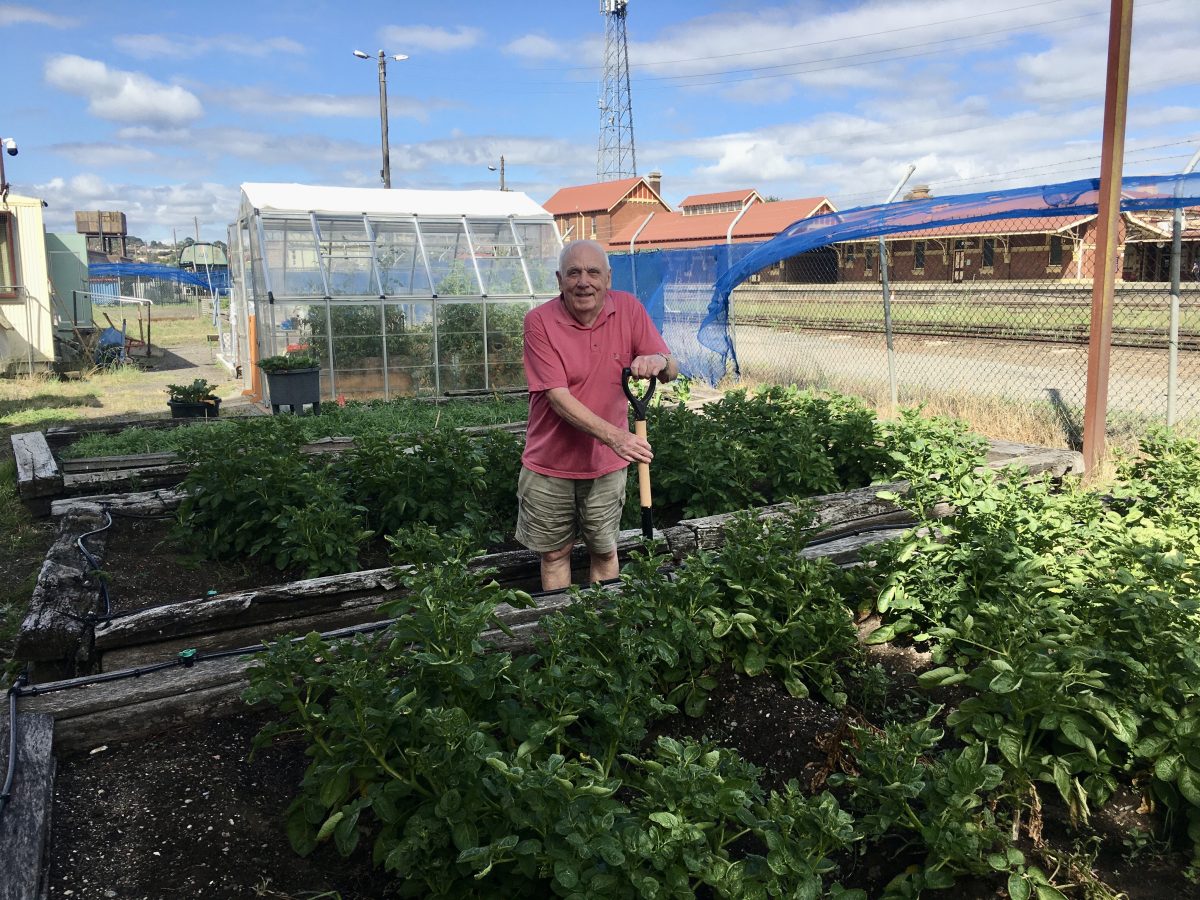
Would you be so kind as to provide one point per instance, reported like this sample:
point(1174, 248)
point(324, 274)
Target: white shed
point(398, 292)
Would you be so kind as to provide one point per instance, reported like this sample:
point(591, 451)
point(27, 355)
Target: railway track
point(1140, 338)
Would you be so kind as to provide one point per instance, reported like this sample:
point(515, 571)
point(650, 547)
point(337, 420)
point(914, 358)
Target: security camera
point(11, 146)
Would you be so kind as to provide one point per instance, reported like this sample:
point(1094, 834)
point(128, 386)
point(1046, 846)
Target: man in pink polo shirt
point(578, 445)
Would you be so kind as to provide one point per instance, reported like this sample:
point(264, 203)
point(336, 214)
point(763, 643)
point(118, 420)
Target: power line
point(839, 40)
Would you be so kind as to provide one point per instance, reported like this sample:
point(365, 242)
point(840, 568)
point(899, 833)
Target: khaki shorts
point(552, 511)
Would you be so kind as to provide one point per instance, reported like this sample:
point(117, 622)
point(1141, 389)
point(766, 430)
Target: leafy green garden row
point(398, 416)
point(1065, 621)
point(253, 492)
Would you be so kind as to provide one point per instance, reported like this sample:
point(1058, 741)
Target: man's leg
point(603, 567)
point(600, 504)
point(556, 568)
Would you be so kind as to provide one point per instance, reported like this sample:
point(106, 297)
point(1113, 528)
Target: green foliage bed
point(1065, 622)
point(354, 419)
point(252, 492)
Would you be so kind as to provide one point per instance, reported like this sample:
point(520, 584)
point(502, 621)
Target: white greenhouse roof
point(340, 200)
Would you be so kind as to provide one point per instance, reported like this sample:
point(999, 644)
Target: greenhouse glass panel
point(294, 333)
point(505, 344)
point(346, 252)
point(499, 257)
point(398, 254)
point(541, 246)
point(409, 345)
point(357, 340)
point(449, 259)
point(461, 348)
point(291, 255)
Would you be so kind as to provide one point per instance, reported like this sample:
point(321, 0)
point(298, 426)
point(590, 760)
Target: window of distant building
point(989, 253)
point(1056, 250)
point(849, 254)
point(868, 261)
point(919, 256)
point(593, 235)
point(8, 271)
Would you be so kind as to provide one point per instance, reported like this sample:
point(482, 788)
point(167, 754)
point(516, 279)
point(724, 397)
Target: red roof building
point(598, 211)
point(758, 220)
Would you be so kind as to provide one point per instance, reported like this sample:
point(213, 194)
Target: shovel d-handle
point(639, 428)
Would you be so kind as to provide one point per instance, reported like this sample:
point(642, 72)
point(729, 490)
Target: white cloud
point(151, 210)
point(104, 154)
point(154, 46)
point(17, 14)
point(264, 101)
point(119, 95)
point(406, 38)
point(537, 47)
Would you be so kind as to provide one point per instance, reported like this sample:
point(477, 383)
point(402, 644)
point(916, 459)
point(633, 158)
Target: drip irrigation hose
point(106, 616)
point(13, 691)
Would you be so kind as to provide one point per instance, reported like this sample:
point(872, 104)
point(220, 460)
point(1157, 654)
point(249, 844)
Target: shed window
point(918, 254)
point(989, 252)
point(1056, 250)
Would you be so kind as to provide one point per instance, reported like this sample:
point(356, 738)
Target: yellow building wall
point(26, 322)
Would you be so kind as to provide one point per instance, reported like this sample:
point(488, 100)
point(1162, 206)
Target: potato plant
point(1071, 620)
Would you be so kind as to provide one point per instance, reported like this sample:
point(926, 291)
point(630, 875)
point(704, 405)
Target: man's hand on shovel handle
point(630, 447)
point(648, 366)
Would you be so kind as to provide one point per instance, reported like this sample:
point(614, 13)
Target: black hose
point(95, 564)
point(13, 692)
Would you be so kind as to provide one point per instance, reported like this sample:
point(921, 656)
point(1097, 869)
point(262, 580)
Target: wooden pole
point(1116, 96)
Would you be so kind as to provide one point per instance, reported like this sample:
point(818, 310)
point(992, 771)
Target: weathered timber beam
point(25, 835)
point(38, 476)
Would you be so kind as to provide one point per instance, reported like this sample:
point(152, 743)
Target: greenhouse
point(397, 292)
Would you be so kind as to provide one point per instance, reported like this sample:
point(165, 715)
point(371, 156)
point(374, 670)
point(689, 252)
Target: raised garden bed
point(1090, 740)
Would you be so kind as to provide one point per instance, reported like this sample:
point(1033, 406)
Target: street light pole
point(493, 169)
point(385, 173)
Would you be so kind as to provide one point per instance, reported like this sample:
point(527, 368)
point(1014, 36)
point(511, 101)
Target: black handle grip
point(638, 403)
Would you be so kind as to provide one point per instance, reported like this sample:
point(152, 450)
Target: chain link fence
point(984, 326)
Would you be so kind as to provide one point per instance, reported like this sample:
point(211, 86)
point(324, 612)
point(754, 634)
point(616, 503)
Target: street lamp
point(386, 172)
point(10, 147)
point(493, 169)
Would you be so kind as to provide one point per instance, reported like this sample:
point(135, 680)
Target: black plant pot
point(199, 409)
point(295, 388)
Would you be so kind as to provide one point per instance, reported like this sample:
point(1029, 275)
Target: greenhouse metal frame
point(397, 292)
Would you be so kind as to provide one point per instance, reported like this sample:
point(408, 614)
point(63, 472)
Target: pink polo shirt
point(560, 352)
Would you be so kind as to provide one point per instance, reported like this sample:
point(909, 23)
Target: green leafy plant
point(199, 391)
point(288, 363)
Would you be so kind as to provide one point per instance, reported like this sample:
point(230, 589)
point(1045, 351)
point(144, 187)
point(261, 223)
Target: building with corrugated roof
point(757, 220)
point(598, 211)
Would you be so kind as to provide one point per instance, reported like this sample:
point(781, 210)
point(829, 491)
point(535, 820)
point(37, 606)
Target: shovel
point(639, 428)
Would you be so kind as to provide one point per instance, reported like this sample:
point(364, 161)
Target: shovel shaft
point(639, 428)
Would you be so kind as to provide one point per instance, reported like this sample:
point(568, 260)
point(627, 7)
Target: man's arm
point(623, 442)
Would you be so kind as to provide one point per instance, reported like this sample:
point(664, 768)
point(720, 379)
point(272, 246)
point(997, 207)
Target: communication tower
point(615, 158)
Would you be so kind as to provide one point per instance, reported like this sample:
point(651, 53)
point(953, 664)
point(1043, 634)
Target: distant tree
point(771, 198)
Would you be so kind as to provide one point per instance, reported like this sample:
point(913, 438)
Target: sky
point(163, 109)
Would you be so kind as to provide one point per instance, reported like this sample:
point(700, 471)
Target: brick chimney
point(654, 179)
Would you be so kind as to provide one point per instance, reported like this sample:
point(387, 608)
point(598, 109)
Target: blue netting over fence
point(218, 280)
point(687, 291)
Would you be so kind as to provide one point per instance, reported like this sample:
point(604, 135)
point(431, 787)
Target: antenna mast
point(615, 158)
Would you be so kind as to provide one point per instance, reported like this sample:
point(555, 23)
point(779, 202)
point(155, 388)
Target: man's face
point(584, 281)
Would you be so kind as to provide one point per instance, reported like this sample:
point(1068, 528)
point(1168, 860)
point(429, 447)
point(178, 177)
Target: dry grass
point(1038, 423)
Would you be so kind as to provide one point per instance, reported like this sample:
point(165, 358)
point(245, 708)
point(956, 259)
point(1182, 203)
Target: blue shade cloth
point(218, 279)
point(687, 291)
